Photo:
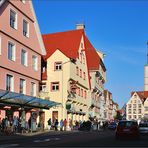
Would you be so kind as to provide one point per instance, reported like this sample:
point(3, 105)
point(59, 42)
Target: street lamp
point(63, 87)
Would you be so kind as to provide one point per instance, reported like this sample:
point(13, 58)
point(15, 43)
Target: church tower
point(146, 73)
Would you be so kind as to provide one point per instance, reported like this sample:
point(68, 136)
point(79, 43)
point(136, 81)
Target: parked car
point(143, 127)
point(86, 126)
point(127, 129)
point(112, 125)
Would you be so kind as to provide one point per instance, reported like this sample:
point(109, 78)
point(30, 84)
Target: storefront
point(26, 108)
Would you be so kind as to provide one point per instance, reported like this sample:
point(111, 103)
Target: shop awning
point(22, 100)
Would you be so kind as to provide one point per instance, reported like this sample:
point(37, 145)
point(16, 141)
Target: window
point(25, 28)
point(13, 22)
point(81, 73)
point(24, 57)
point(82, 45)
point(139, 116)
point(9, 83)
point(34, 62)
point(0, 45)
point(139, 111)
point(134, 105)
point(81, 92)
point(83, 60)
point(135, 116)
point(139, 105)
point(54, 86)
point(85, 95)
point(11, 51)
point(23, 1)
point(84, 76)
point(33, 89)
point(129, 105)
point(44, 88)
point(134, 111)
point(22, 86)
point(81, 57)
point(58, 66)
point(77, 70)
point(146, 108)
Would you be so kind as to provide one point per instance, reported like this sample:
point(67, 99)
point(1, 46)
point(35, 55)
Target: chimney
point(80, 26)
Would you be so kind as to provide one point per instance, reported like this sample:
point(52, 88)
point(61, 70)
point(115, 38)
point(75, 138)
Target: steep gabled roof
point(142, 94)
point(67, 42)
point(91, 55)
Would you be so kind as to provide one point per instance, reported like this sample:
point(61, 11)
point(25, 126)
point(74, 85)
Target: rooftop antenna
point(147, 52)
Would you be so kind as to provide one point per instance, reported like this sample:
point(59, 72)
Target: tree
point(118, 116)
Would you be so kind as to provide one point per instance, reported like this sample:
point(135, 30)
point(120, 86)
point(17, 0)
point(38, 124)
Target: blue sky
point(117, 28)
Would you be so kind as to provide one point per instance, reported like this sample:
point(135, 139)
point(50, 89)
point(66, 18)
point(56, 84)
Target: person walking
point(61, 125)
point(65, 124)
point(49, 124)
point(56, 124)
point(15, 124)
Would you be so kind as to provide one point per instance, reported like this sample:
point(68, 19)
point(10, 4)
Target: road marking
point(8, 145)
point(46, 140)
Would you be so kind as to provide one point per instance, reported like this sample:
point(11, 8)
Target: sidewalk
point(20, 135)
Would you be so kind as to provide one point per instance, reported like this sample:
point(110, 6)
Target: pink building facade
point(21, 48)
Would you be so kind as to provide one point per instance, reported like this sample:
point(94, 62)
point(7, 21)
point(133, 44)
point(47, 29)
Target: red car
point(127, 129)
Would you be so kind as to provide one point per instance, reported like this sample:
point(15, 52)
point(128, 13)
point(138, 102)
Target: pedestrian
point(70, 124)
point(61, 125)
point(15, 124)
point(65, 124)
point(49, 123)
point(56, 124)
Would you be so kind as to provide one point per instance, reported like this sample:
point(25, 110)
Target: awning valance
point(25, 100)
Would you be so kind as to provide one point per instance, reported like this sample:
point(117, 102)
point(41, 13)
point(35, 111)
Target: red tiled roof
point(142, 94)
point(67, 42)
point(91, 55)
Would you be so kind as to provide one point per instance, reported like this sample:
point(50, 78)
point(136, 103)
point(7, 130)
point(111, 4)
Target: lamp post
point(62, 115)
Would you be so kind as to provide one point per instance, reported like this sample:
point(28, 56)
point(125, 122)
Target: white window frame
point(24, 86)
point(0, 45)
point(11, 82)
point(58, 66)
point(35, 63)
point(33, 89)
point(25, 58)
point(23, 1)
point(15, 24)
point(13, 51)
point(55, 84)
point(27, 33)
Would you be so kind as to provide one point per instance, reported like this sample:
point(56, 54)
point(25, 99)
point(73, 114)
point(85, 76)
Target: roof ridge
point(69, 31)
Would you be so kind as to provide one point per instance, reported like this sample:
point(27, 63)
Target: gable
point(67, 42)
point(136, 97)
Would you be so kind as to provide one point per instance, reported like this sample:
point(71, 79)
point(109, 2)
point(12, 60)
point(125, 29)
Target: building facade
point(21, 48)
point(65, 77)
point(97, 73)
point(135, 106)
